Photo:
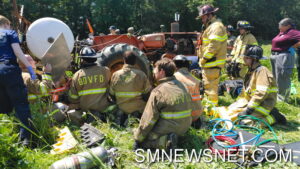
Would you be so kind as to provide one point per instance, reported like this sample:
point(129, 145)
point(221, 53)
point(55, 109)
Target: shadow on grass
point(291, 125)
point(295, 101)
point(194, 139)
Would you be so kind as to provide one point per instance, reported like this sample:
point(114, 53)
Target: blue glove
point(292, 51)
point(31, 72)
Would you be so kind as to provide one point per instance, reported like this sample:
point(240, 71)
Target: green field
point(13, 155)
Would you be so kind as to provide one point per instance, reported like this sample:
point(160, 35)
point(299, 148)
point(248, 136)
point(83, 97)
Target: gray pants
point(282, 69)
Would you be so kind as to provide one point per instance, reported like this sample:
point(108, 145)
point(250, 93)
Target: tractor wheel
point(112, 57)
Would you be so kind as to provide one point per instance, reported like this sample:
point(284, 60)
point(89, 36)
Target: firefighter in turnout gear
point(231, 38)
point(259, 94)
point(130, 87)
point(167, 114)
point(37, 88)
point(245, 38)
point(212, 52)
point(90, 84)
point(191, 84)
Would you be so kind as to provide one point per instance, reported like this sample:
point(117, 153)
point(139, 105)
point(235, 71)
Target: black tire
point(112, 57)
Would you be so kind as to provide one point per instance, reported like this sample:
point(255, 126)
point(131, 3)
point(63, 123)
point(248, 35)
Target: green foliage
point(149, 14)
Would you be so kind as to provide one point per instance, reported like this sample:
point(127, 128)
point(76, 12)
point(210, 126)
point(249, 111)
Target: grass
point(13, 155)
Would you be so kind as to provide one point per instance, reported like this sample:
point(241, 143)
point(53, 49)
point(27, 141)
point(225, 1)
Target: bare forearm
point(19, 53)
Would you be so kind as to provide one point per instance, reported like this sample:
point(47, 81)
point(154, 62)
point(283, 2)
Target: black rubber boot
point(279, 117)
point(197, 124)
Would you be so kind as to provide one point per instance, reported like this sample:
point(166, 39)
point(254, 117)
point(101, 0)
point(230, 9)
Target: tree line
point(148, 15)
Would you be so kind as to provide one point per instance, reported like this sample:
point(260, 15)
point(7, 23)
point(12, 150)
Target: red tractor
point(148, 47)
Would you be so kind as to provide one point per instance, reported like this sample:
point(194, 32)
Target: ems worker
point(130, 87)
point(231, 38)
point(191, 84)
point(259, 91)
point(37, 88)
point(167, 114)
point(212, 52)
point(13, 93)
point(89, 85)
point(245, 38)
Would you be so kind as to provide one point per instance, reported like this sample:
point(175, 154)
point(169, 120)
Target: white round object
point(42, 33)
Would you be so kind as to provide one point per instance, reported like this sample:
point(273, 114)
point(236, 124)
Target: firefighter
point(259, 91)
point(231, 39)
point(130, 87)
point(112, 30)
point(89, 86)
point(167, 114)
point(212, 51)
point(191, 84)
point(245, 38)
point(37, 88)
point(13, 93)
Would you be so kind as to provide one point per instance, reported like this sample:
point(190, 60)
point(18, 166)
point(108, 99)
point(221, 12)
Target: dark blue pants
point(13, 94)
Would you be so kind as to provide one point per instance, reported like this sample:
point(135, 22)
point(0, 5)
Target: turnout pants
point(13, 95)
point(282, 69)
point(211, 78)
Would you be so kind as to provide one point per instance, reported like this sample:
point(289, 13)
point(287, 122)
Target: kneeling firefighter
point(259, 94)
point(191, 84)
point(89, 87)
point(37, 88)
point(167, 114)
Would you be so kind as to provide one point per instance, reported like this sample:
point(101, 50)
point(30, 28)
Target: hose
point(227, 132)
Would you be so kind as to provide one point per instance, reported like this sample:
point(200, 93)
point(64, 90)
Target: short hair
point(167, 65)
point(286, 22)
point(4, 20)
point(129, 57)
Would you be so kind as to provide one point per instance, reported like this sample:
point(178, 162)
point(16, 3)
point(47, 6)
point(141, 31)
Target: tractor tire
point(112, 57)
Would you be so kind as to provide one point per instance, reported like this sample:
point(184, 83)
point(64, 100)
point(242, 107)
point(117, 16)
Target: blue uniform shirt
point(7, 37)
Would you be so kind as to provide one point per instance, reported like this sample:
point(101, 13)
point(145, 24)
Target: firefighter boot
point(279, 117)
